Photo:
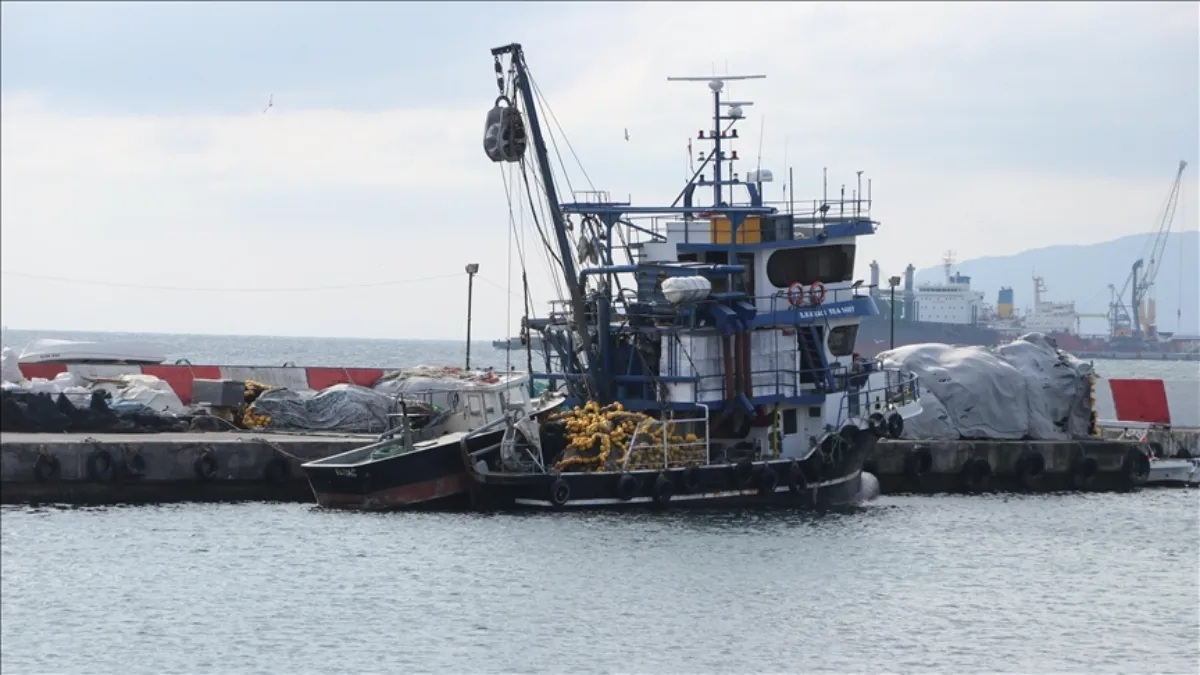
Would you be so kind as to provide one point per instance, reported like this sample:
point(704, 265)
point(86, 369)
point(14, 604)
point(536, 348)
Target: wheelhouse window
point(841, 340)
point(827, 264)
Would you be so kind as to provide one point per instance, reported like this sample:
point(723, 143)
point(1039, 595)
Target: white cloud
point(301, 197)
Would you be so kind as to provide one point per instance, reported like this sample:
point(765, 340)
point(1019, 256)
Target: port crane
point(1136, 321)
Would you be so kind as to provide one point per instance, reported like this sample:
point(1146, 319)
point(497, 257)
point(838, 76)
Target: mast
point(716, 83)
point(560, 231)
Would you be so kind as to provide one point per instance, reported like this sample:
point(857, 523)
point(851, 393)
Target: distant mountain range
point(1083, 273)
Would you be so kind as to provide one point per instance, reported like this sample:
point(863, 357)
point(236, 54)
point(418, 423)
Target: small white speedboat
point(72, 351)
point(518, 343)
point(1174, 472)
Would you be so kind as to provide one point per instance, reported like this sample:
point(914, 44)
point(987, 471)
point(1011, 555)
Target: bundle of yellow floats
point(250, 418)
point(594, 432)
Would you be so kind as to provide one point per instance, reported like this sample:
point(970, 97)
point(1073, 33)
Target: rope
point(275, 446)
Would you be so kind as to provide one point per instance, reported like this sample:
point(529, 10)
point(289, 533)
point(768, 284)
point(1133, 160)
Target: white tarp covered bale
point(437, 384)
point(1023, 390)
point(10, 370)
point(147, 390)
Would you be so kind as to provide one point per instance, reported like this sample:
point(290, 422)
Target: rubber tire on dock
point(917, 463)
point(895, 425)
point(1083, 472)
point(560, 492)
point(627, 487)
point(1135, 468)
point(205, 466)
point(1029, 469)
point(976, 475)
point(277, 470)
point(134, 465)
point(47, 468)
point(664, 487)
point(100, 466)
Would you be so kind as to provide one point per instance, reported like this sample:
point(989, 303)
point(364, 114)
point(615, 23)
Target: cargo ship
point(949, 311)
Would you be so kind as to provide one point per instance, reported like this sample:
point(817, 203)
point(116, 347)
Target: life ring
point(895, 425)
point(816, 293)
point(100, 466)
point(795, 294)
point(627, 487)
point(743, 472)
point(795, 478)
point(976, 475)
point(918, 463)
point(1029, 469)
point(876, 425)
point(690, 479)
point(277, 470)
point(560, 492)
point(663, 488)
point(1083, 472)
point(135, 465)
point(47, 468)
point(205, 465)
point(768, 480)
point(1135, 467)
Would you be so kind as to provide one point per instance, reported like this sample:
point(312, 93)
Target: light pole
point(893, 282)
point(472, 270)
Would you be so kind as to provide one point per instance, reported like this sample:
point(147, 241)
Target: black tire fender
point(768, 480)
point(664, 487)
point(627, 487)
point(1083, 472)
point(743, 472)
point(100, 466)
point(797, 483)
point(877, 425)
point(895, 425)
point(690, 479)
point(976, 475)
point(1029, 468)
point(1135, 466)
point(135, 465)
point(205, 465)
point(560, 492)
point(47, 468)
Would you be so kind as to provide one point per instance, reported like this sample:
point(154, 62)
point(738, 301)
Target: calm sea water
point(1069, 583)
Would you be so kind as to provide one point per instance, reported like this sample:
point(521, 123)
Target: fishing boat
point(706, 353)
point(419, 462)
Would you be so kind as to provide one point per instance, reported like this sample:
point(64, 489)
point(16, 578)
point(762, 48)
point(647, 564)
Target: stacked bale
point(598, 439)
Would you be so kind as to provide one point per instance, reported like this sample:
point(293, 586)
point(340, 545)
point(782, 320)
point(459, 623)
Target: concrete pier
point(166, 467)
point(1008, 466)
point(236, 466)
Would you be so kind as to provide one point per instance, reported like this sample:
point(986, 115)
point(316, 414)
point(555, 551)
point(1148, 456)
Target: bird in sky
point(626, 134)
point(270, 102)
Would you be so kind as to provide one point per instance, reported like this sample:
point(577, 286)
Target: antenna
point(761, 132)
point(733, 113)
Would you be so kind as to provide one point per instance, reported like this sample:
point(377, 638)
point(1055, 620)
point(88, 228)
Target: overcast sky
point(135, 149)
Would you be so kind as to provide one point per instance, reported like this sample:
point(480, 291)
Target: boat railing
point(895, 389)
point(668, 443)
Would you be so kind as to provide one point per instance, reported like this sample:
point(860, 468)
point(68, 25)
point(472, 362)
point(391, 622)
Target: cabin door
point(476, 410)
